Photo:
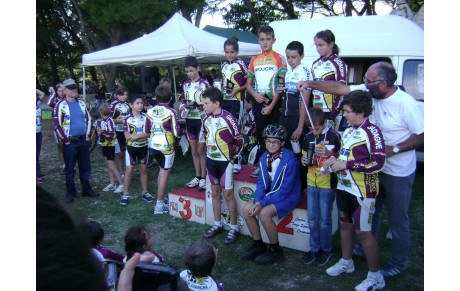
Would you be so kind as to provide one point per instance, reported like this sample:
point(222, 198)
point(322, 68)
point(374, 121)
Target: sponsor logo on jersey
point(246, 194)
point(341, 66)
point(232, 122)
point(377, 139)
point(264, 69)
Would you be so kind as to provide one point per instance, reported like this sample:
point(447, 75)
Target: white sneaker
point(389, 236)
point(120, 189)
point(341, 267)
point(160, 209)
point(202, 185)
point(195, 182)
point(371, 283)
point(237, 169)
point(109, 187)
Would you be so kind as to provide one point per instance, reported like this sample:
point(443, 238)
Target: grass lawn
point(173, 235)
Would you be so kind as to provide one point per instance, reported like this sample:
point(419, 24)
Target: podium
point(196, 206)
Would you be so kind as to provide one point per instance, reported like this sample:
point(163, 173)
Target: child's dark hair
point(105, 109)
point(191, 62)
point(233, 41)
point(92, 231)
point(214, 94)
point(133, 98)
point(359, 101)
point(267, 30)
point(165, 79)
point(121, 90)
point(295, 46)
point(163, 94)
point(328, 37)
point(200, 258)
point(317, 116)
point(135, 239)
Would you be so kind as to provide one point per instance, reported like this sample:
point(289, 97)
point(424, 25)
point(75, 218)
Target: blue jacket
point(285, 190)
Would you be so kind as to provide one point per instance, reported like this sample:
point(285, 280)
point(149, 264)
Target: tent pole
point(174, 82)
point(84, 83)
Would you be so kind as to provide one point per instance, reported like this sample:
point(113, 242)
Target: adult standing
point(39, 137)
point(100, 94)
point(72, 124)
point(399, 117)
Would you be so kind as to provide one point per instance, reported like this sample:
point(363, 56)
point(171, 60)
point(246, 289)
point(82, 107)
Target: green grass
point(173, 235)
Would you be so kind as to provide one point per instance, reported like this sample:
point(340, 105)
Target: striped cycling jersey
point(107, 136)
point(193, 91)
point(162, 124)
point(291, 100)
point(38, 115)
point(264, 69)
point(222, 136)
point(135, 125)
point(332, 68)
point(364, 150)
point(119, 112)
point(234, 77)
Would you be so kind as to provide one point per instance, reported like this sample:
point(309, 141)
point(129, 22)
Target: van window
point(413, 78)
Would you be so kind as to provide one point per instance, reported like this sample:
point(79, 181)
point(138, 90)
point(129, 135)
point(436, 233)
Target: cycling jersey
point(331, 139)
point(194, 283)
point(233, 77)
point(119, 112)
point(222, 136)
point(54, 99)
point(291, 100)
point(364, 150)
point(193, 91)
point(107, 136)
point(61, 118)
point(264, 69)
point(135, 125)
point(332, 68)
point(162, 124)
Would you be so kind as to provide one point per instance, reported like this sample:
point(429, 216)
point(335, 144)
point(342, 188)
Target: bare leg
point(196, 157)
point(119, 161)
point(371, 249)
point(202, 154)
point(266, 217)
point(231, 204)
point(216, 201)
point(346, 239)
point(144, 176)
point(114, 171)
point(251, 222)
point(128, 175)
point(162, 183)
point(60, 154)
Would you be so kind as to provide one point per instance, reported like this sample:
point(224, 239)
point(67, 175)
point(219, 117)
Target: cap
point(70, 84)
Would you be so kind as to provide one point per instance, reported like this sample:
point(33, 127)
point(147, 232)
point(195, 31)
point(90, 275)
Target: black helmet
point(275, 131)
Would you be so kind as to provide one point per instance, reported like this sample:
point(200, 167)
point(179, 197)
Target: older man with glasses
point(72, 124)
point(401, 120)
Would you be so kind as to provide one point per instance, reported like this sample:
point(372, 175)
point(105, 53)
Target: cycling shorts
point(121, 140)
point(220, 173)
point(136, 155)
point(356, 210)
point(193, 127)
point(165, 161)
point(108, 152)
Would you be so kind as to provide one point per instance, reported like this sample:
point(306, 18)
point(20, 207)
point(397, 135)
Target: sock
point(275, 247)
point(160, 202)
point(258, 242)
point(125, 193)
point(143, 192)
point(375, 275)
point(63, 166)
point(234, 227)
point(218, 223)
point(347, 262)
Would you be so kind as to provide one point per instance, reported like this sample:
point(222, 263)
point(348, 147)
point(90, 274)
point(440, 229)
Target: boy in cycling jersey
point(223, 139)
point(264, 70)
point(163, 125)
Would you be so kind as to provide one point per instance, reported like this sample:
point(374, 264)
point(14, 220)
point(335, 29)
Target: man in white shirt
point(401, 120)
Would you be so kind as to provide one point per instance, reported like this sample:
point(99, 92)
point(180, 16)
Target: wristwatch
point(395, 149)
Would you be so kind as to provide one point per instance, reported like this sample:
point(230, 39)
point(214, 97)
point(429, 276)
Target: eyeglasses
point(365, 80)
point(272, 142)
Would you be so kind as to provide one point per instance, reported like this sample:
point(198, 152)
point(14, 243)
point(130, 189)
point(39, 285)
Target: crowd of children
point(256, 108)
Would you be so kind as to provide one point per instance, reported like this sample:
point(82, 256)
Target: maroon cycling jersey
point(233, 77)
point(193, 92)
point(135, 125)
point(222, 136)
point(54, 99)
point(119, 111)
point(107, 137)
point(363, 149)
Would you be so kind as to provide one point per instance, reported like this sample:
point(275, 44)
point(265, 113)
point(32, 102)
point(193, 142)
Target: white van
point(363, 41)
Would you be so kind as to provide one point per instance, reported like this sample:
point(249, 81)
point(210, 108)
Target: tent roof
point(168, 45)
point(367, 36)
point(243, 36)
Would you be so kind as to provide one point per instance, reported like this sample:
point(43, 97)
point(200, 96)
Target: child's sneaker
point(120, 189)
point(371, 283)
point(323, 259)
point(309, 257)
point(109, 187)
point(124, 200)
point(202, 185)
point(160, 209)
point(340, 268)
point(147, 197)
point(236, 169)
point(195, 181)
point(256, 173)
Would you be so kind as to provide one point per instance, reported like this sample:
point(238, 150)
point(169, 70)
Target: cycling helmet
point(275, 131)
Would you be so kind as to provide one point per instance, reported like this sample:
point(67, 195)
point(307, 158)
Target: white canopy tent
point(168, 45)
